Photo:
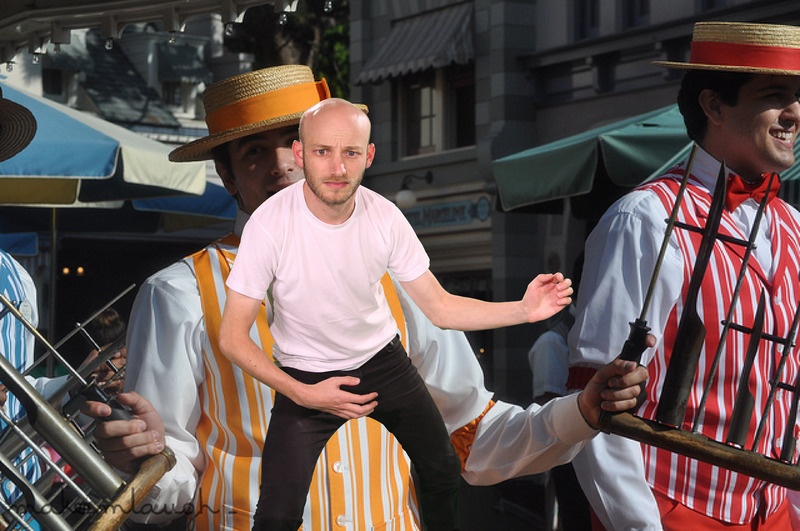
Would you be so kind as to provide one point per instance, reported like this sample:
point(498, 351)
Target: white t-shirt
point(324, 280)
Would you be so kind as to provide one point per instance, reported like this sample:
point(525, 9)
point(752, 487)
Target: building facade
point(454, 85)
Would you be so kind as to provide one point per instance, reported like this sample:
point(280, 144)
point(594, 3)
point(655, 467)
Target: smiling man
point(739, 99)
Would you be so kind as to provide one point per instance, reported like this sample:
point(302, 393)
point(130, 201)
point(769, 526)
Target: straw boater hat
point(743, 47)
point(252, 103)
point(17, 127)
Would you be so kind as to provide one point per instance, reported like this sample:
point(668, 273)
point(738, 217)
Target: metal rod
point(788, 345)
point(32, 329)
point(789, 439)
point(45, 458)
point(80, 326)
point(668, 233)
point(726, 324)
point(35, 504)
point(636, 342)
point(691, 332)
point(57, 431)
point(739, 425)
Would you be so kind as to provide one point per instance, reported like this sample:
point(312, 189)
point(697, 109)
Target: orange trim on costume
point(206, 424)
point(394, 304)
point(748, 55)
point(224, 371)
point(463, 437)
point(267, 106)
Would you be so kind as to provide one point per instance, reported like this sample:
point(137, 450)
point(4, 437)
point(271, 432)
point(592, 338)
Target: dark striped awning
point(433, 39)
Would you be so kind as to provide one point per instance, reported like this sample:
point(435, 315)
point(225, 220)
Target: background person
point(104, 329)
point(549, 362)
point(17, 344)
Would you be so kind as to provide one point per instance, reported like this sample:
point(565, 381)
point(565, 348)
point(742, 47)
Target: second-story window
point(420, 115)
point(635, 13)
point(587, 19)
point(429, 60)
point(437, 107)
point(461, 106)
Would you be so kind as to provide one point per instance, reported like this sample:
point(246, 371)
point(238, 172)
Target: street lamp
point(406, 198)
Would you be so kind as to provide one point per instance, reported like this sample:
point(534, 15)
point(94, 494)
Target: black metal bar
point(691, 332)
point(721, 237)
point(789, 440)
point(636, 343)
point(775, 382)
point(728, 322)
point(739, 425)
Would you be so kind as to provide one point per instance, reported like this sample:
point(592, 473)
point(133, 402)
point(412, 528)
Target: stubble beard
point(337, 199)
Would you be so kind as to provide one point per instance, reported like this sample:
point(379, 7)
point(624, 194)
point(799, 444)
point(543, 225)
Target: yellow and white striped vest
point(362, 479)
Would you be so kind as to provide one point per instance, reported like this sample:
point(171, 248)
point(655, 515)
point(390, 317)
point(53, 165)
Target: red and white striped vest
point(710, 490)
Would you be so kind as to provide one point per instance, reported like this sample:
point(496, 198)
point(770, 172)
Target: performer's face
point(760, 130)
point(334, 153)
point(260, 165)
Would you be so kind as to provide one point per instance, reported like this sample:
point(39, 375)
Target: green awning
point(631, 150)
point(792, 174)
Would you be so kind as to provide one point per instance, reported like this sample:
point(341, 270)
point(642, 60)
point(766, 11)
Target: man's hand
point(108, 379)
point(615, 387)
point(328, 396)
point(546, 295)
point(124, 441)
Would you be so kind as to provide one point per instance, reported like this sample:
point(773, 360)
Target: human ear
point(226, 176)
point(711, 105)
point(297, 151)
point(370, 155)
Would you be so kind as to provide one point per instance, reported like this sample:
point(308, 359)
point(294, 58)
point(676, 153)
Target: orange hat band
point(745, 55)
point(274, 104)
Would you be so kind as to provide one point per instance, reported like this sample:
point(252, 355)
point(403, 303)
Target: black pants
point(296, 436)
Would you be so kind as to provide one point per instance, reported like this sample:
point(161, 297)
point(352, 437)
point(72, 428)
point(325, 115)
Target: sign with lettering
point(451, 214)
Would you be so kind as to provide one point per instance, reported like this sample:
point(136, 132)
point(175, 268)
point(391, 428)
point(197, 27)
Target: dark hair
point(221, 155)
point(106, 327)
point(725, 84)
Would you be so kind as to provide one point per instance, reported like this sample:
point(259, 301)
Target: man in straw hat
point(739, 100)
point(214, 416)
point(17, 129)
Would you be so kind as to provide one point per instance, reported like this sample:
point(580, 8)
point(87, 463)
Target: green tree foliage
point(317, 34)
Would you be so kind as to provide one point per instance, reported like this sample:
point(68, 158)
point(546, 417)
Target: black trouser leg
point(295, 439)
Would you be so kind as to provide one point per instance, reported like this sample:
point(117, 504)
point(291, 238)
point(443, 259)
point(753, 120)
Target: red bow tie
point(740, 190)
